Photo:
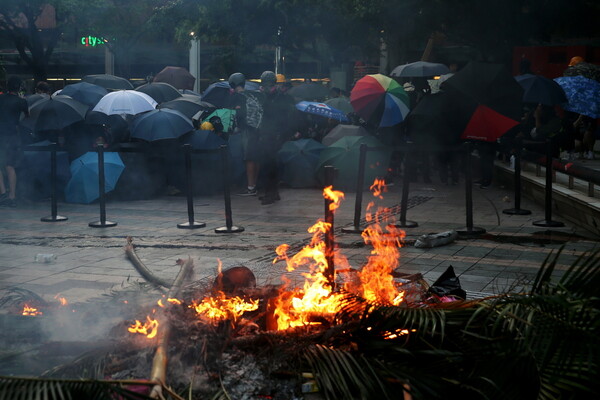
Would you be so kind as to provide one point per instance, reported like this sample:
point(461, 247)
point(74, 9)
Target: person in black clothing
point(11, 153)
point(276, 128)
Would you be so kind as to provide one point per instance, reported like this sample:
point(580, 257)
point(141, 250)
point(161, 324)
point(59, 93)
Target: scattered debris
point(436, 239)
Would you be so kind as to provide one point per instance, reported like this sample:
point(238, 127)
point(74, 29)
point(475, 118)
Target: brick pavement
point(91, 262)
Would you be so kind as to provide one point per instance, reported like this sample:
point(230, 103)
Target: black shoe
point(276, 197)
point(4, 196)
point(8, 203)
point(268, 200)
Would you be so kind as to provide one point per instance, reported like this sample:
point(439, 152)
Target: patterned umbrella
point(322, 109)
point(583, 95)
point(379, 100)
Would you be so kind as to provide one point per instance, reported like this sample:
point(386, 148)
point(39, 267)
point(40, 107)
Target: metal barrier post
point(103, 223)
point(360, 182)
point(229, 227)
point(191, 224)
point(53, 205)
point(517, 178)
point(408, 170)
point(548, 222)
point(329, 235)
point(469, 230)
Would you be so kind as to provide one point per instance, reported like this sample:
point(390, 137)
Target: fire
point(335, 196)
point(170, 300)
point(61, 300)
point(378, 187)
point(149, 328)
point(220, 307)
point(376, 280)
point(30, 311)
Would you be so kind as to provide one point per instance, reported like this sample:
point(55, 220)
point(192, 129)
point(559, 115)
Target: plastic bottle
point(45, 258)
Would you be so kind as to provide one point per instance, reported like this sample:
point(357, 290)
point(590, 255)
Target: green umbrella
point(343, 155)
point(227, 117)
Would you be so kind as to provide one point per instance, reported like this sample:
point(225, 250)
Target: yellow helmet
point(207, 126)
point(280, 78)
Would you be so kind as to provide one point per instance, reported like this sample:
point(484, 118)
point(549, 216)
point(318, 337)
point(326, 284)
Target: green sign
point(92, 41)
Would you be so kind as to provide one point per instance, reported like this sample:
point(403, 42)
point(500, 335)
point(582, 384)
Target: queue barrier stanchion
point(102, 223)
point(548, 222)
point(517, 210)
point(229, 227)
point(408, 170)
point(329, 234)
point(54, 217)
point(191, 223)
point(469, 230)
point(360, 182)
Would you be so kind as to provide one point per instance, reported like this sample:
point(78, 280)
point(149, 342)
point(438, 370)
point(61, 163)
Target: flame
point(174, 301)
point(378, 187)
point(397, 333)
point(335, 196)
point(220, 307)
point(149, 329)
point(376, 280)
point(30, 311)
point(61, 300)
point(160, 303)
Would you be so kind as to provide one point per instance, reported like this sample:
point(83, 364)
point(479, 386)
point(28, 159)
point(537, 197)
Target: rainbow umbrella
point(379, 100)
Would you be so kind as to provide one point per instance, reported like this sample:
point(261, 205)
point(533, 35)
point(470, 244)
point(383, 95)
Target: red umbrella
point(485, 100)
point(176, 76)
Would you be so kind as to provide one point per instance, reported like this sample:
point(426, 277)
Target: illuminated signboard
point(92, 41)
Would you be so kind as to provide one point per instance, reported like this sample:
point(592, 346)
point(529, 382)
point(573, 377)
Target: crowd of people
point(267, 118)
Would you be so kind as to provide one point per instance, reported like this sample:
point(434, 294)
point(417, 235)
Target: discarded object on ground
point(448, 285)
point(436, 239)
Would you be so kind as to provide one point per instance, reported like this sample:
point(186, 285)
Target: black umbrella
point(485, 100)
point(220, 93)
point(160, 124)
point(108, 81)
point(34, 98)
point(541, 90)
point(188, 105)
point(55, 113)
point(84, 92)
point(160, 91)
point(176, 76)
point(429, 122)
point(419, 69)
point(309, 92)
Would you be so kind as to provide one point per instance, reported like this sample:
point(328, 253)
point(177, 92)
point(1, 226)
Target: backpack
point(254, 109)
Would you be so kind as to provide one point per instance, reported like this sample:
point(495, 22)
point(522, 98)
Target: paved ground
point(91, 262)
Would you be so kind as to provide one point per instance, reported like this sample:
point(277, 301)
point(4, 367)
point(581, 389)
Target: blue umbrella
point(36, 174)
point(538, 89)
point(219, 94)
point(322, 109)
point(583, 95)
point(160, 124)
point(86, 93)
point(298, 159)
point(83, 186)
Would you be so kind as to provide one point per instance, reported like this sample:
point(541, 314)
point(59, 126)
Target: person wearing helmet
point(207, 126)
point(249, 111)
point(276, 128)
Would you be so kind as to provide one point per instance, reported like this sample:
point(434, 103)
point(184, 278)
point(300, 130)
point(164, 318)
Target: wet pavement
point(90, 262)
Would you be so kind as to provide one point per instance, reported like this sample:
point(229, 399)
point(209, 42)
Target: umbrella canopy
point(188, 105)
point(86, 93)
point(160, 124)
point(583, 95)
point(159, 91)
point(31, 100)
point(125, 102)
point(205, 140)
point(36, 171)
point(298, 160)
point(309, 92)
point(419, 69)
point(220, 93)
point(83, 185)
point(55, 113)
point(227, 117)
point(176, 76)
point(429, 123)
point(341, 131)
point(486, 100)
point(379, 100)
point(541, 90)
point(110, 82)
point(341, 103)
point(343, 155)
point(322, 109)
